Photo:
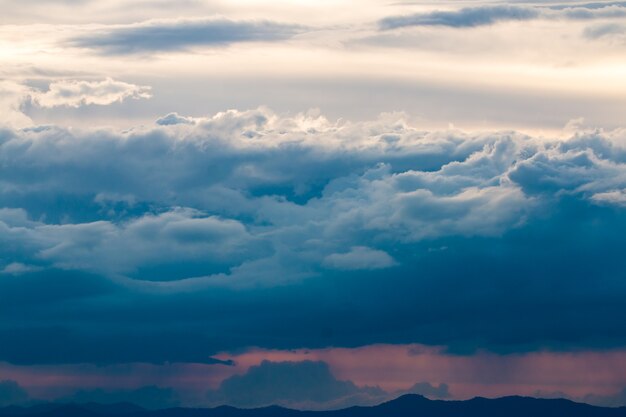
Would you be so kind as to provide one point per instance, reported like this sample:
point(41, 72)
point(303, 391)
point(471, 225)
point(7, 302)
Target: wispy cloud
point(173, 35)
point(468, 17)
point(463, 18)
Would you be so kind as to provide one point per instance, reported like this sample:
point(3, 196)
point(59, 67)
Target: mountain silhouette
point(405, 406)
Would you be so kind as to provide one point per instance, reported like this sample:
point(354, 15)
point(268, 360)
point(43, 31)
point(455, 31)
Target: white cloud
point(16, 268)
point(360, 257)
point(268, 198)
point(12, 96)
point(76, 93)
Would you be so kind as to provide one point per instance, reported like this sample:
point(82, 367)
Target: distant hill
point(405, 406)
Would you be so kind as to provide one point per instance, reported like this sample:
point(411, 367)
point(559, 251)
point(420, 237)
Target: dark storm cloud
point(173, 35)
point(173, 243)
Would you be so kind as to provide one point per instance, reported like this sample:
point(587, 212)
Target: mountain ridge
point(406, 405)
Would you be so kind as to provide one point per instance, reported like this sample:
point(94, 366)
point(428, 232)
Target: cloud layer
point(185, 230)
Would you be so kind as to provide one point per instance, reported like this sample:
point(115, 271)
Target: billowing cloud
point(207, 235)
point(156, 240)
point(172, 35)
point(75, 93)
point(14, 97)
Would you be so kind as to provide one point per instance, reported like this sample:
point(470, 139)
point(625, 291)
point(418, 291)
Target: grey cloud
point(604, 30)
point(157, 240)
point(11, 393)
point(462, 18)
point(488, 15)
point(173, 35)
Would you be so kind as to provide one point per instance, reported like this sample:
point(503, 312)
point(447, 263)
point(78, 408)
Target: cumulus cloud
point(174, 119)
point(76, 93)
point(181, 235)
point(14, 97)
point(172, 35)
point(250, 211)
point(11, 393)
point(239, 166)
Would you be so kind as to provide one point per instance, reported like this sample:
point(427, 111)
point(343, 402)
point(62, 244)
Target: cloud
point(15, 97)
point(174, 119)
point(360, 257)
point(469, 17)
point(11, 393)
point(176, 35)
point(17, 268)
point(604, 30)
point(75, 93)
point(305, 384)
point(150, 397)
point(12, 98)
point(180, 235)
point(462, 18)
point(617, 197)
point(176, 242)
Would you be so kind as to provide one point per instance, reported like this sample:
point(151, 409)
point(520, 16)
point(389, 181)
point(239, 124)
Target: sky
point(315, 204)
